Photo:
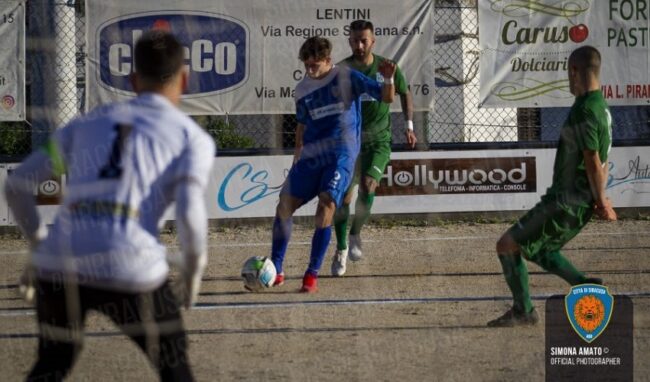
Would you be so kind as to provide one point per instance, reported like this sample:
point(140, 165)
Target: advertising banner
point(525, 47)
point(414, 183)
point(243, 56)
point(12, 60)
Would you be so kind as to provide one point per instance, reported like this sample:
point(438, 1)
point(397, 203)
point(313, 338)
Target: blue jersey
point(330, 109)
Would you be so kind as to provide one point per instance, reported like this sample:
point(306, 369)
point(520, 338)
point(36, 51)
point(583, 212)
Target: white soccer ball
point(258, 273)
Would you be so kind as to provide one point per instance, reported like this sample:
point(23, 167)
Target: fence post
point(52, 49)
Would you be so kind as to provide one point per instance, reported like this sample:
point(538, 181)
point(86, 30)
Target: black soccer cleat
point(513, 318)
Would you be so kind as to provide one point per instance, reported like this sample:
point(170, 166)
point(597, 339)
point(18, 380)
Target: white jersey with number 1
point(122, 164)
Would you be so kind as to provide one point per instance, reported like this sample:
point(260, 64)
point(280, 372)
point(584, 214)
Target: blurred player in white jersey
point(124, 164)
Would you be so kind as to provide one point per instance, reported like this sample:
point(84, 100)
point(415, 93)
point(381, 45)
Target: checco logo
point(215, 48)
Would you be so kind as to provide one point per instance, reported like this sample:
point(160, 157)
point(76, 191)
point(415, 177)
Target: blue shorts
point(309, 177)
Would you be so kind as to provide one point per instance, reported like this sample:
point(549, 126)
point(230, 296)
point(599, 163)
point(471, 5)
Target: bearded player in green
point(577, 192)
point(375, 143)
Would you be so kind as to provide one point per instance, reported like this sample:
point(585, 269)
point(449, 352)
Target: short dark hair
point(158, 56)
point(315, 47)
point(361, 25)
point(586, 58)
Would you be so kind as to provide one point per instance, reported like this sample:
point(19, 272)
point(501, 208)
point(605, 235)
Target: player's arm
point(406, 100)
point(191, 216)
point(597, 175)
point(300, 132)
point(192, 225)
point(387, 69)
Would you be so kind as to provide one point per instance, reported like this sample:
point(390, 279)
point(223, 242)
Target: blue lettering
point(259, 190)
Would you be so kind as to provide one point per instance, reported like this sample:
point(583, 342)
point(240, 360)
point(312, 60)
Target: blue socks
point(319, 244)
point(281, 236)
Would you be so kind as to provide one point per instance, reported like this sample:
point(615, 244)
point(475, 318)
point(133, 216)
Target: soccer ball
point(258, 273)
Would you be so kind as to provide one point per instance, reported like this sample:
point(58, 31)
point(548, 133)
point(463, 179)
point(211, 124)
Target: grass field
point(413, 310)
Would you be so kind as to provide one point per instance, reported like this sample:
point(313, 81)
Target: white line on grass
point(303, 243)
point(21, 312)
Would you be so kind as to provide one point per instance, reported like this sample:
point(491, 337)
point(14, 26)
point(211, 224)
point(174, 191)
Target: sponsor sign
point(215, 46)
point(525, 48)
point(243, 56)
point(421, 182)
point(459, 176)
point(12, 60)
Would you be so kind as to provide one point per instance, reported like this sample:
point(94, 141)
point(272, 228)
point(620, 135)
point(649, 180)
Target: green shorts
point(372, 161)
point(548, 226)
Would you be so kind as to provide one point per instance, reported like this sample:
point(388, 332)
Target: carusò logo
point(589, 308)
point(216, 49)
point(514, 32)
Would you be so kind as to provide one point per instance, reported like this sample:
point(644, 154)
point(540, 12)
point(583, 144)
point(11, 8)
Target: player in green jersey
point(375, 143)
point(577, 192)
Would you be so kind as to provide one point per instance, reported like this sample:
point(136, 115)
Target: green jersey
point(375, 115)
point(588, 127)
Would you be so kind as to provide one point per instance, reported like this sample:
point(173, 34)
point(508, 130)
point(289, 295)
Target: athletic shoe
point(355, 248)
point(514, 318)
point(594, 280)
point(339, 262)
point(309, 283)
point(279, 279)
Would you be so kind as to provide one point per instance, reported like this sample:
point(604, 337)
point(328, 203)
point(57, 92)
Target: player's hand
point(411, 139)
point(192, 286)
point(387, 68)
point(605, 211)
point(192, 272)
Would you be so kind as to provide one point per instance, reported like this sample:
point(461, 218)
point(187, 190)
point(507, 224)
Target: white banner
point(12, 60)
point(525, 46)
point(414, 183)
point(243, 55)
point(430, 182)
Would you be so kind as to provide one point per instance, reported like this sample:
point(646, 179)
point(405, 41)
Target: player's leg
point(564, 224)
point(373, 164)
point(153, 321)
point(282, 226)
point(521, 240)
point(341, 218)
point(60, 330)
point(301, 186)
point(334, 183)
point(516, 275)
point(320, 240)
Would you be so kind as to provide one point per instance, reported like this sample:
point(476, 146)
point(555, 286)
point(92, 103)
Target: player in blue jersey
point(125, 163)
point(328, 110)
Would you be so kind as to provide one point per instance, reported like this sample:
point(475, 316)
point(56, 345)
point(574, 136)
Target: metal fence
point(456, 118)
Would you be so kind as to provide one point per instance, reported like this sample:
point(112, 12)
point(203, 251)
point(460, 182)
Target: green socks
point(341, 217)
point(362, 212)
point(555, 263)
point(516, 274)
